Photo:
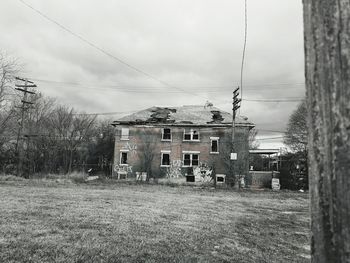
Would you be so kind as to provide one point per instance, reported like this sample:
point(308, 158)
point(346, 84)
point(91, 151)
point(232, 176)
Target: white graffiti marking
point(122, 169)
point(174, 171)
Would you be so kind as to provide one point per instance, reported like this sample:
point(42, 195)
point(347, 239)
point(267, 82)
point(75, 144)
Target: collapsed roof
point(181, 116)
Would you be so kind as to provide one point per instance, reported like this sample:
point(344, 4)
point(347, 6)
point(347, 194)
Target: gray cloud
point(185, 43)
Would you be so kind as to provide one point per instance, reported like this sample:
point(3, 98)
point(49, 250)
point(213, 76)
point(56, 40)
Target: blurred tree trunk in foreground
point(327, 58)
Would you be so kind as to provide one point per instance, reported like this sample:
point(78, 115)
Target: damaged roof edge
point(228, 124)
point(185, 116)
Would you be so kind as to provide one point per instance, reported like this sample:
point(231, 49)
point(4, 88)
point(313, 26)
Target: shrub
point(10, 177)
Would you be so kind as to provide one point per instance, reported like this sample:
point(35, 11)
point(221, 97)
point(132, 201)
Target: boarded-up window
point(125, 134)
point(166, 134)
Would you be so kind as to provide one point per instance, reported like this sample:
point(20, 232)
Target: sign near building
point(233, 156)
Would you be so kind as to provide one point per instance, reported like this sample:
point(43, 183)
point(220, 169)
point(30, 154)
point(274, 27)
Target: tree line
point(55, 138)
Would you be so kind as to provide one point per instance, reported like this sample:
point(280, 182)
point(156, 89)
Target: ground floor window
point(165, 159)
point(190, 159)
point(123, 157)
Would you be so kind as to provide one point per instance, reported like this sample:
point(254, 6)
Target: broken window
point(191, 135)
point(125, 134)
point(214, 145)
point(187, 135)
point(166, 135)
point(165, 159)
point(124, 158)
point(195, 135)
point(191, 159)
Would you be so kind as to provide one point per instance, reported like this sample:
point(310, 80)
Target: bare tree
point(101, 150)
point(253, 143)
point(327, 71)
point(8, 68)
point(296, 135)
point(40, 147)
point(146, 152)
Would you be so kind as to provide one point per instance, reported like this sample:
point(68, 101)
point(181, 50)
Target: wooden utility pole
point(235, 106)
point(327, 71)
point(24, 108)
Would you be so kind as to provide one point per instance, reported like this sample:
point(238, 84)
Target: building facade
point(171, 142)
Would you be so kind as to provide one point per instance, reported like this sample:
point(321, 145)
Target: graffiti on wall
point(203, 172)
point(174, 170)
point(130, 147)
point(122, 169)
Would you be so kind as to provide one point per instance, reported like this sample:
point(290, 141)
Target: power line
point(270, 138)
point(275, 100)
point(102, 50)
point(266, 130)
point(154, 88)
point(106, 113)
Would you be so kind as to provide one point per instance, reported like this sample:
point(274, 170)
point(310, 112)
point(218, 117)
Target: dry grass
point(149, 223)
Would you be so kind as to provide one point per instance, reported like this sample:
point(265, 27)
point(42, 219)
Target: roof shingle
point(188, 114)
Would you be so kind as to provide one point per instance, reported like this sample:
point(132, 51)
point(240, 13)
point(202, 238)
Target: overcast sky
point(184, 52)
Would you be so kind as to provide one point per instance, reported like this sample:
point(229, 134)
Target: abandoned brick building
point(170, 141)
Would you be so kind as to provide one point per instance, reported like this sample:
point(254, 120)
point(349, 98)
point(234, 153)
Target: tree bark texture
point(327, 58)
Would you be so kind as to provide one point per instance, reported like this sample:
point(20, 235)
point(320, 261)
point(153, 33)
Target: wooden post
point(233, 178)
point(327, 71)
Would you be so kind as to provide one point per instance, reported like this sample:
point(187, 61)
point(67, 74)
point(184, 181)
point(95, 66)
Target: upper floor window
point(125, 134)
point(166, 134)
point(191, 135)
point(214, 144)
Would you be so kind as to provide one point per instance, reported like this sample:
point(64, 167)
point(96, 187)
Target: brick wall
point(153, 134)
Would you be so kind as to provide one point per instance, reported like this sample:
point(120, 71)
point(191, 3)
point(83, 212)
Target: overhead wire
point(275, 100)
point(135, 90)
point(86, 41)
point(158, 89)
point(154, 89)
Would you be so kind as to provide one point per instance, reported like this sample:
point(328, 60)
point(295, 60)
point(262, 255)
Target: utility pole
point(235, 106)
point(19, 145)
point(327, 72)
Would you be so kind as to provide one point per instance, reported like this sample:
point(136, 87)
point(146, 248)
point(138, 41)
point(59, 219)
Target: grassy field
point(52, 222)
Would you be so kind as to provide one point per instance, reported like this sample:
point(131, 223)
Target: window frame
point(191, 133)
point(166, 140)
point(161, 158)
point(121, 156)
point(126, 135)
point(190, 153)
point(217, 145)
